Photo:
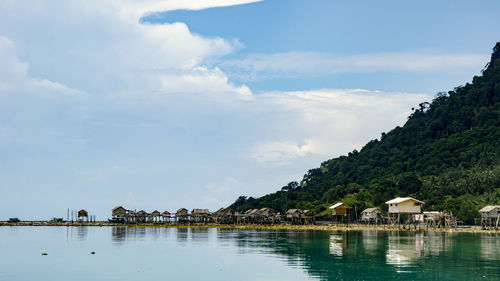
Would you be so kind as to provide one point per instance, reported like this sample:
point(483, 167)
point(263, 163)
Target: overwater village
point(403, 213)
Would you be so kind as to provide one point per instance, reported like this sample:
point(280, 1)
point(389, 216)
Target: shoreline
point(330, 227)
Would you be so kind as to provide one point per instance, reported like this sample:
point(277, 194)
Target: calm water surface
point(222, 254)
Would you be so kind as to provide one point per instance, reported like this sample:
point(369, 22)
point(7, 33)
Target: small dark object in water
point(44, 254)
point(92, 253)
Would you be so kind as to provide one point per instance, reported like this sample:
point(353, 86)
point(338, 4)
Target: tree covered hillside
point(446, 154)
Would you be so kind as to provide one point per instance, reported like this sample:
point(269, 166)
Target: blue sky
point(167, 104)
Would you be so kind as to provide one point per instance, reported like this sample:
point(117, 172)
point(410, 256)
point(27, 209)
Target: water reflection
point(182, 235)
point(347, 255)
point(404, 249)
point(490, 246)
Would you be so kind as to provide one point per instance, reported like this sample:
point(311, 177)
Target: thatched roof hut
point(118, 211)
point(371, 214)
point(224, 212)
point(266, 212)
point(82, 213)
point(200, 213)
point(155, 213)
point(252, 212)
point(166, 214)
point(490, 212)
point(142, 214)
point(308, 213)
point(405, 205)
point(340, 209)
point(294, 214)
point(182, 212)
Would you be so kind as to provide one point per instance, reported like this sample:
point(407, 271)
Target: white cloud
point(257, 66)
point(136, 9)
point(281, 152)
point(14, 75)
point(328, 122)
point(106, 49)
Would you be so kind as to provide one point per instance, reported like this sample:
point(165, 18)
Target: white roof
point(398, 200)
point(488, 208)
point(370, 210)
point(337, 205)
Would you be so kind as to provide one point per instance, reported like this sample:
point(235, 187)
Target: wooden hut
point(251, 215)
point(341, 212)
point(83, 215)
point(182, 215)
point(404, 206)
point(155, 216)
point(225, 216)
point(118, 212)
point(294, 216)
point(439, 219)
point(201, 215)
point(371, 215)
point(490, 216)
point(308, 216)
point(142, 216)
point(131, 216)
point(166, 216)
point(266, 215)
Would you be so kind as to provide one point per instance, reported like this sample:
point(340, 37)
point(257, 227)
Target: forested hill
point(446, 154)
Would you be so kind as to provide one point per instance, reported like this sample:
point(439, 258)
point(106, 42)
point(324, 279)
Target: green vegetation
point(446, 155)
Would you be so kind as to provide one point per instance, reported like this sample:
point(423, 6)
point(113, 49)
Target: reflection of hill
point(347, 255)
point(356, 255)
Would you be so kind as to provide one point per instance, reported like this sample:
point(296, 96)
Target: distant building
point(83, 215)
point(371, 214)
point(341, 212)
point(406, 205)
point(182, 215)
point(118, 212)
point(340, 209)
point(490, 212)
point(201, 215)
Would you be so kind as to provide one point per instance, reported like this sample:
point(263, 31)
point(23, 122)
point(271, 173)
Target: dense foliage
point(446, 154)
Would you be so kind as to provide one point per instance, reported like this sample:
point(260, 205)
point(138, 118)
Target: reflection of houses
point(490, 246)
point(371, 215)
point(83, 215)
point(490, 216)
point(404, 250)
point(341, 212)
point(406, 206)
point(370, 239)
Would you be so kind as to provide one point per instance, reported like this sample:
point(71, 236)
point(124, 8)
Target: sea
point(134, 253)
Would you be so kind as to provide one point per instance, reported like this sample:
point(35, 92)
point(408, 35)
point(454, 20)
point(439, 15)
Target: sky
point(163, 104)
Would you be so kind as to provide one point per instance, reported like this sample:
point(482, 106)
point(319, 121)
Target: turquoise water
point(253, 255)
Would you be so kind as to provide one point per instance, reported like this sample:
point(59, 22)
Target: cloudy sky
point(162, 104)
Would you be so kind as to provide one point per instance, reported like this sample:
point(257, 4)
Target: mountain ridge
point(445, 154)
